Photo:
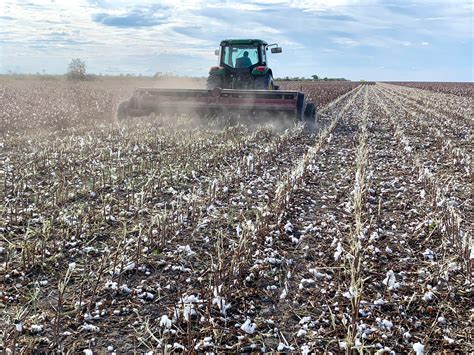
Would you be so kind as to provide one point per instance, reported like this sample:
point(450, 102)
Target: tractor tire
point(263, 82)
point(122, 113)
point(309, 117)
point(214, 81)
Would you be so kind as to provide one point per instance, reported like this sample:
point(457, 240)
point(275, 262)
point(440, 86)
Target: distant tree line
point(77, 72)
point(311, 78)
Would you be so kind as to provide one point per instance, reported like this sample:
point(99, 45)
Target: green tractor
point(243, 65)
point(242, 83)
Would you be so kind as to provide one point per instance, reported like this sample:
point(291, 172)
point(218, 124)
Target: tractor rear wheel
point(309, 116)
point(263, 82)
point(214, 81)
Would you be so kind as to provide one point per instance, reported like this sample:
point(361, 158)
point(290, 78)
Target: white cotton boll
point(320, 275)
point(176, 346)
point(301, 333)
point(305, 350)
point(185, 249)
point(110, 348)
point(268, 241)
point(36, 328)
point(428, 296)
point(305, 320)
point(208, 341)
point(448, 339)
point(111, 285)
point(221, 303)
point(441, 320)
point(72, 266)
point(379, 302)
point(338, 252)
point(342, 345)
point(407, 335)
point(351, 293)
point(429, 254)
point(289, 228)
point(294, 240)
point(387, 324)
point(419, 348)
point(90, 328)
point(248, 327)
point(391, 281)
point(19, 326)
point(283, 347)
point(165, 321)
point(188, 311)
point(129, 267)
point(88, 352)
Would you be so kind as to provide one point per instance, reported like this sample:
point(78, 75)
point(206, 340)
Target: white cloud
point(344, 41)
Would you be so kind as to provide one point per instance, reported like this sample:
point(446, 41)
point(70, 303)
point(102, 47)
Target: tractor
point(241, 83)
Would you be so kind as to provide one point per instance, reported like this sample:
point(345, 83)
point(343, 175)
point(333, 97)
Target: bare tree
point(77, 69)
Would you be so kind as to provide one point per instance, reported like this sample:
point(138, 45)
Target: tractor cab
point(245, 55)
point(243, 65)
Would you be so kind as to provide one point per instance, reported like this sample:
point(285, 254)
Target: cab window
point(240, 56)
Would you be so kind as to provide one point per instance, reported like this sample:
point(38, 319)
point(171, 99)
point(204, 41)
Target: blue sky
point(366, 39)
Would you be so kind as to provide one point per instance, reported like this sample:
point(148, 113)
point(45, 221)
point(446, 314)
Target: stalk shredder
point(242, 83)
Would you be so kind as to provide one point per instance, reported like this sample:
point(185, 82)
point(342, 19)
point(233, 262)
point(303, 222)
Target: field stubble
point(160, 234)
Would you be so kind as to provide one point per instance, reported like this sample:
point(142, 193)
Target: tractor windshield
point(240, 56)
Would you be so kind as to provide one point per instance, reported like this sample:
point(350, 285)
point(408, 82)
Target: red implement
point(148, 100)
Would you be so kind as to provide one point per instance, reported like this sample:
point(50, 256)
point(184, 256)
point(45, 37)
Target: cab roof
point(256, 42)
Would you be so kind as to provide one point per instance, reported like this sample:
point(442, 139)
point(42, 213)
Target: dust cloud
point(179, 117)
point(179, 83)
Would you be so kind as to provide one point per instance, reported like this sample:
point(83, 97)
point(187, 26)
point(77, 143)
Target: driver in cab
point(243, 62)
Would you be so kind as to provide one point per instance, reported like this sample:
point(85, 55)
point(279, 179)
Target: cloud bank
point(369, 39)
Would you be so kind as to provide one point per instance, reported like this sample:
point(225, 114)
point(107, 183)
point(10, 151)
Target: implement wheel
point(309, 116)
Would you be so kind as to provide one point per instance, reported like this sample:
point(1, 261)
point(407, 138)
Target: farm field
point(459, 89)
point(163, 234)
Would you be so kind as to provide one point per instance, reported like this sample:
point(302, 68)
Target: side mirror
point(216, 52)
point(276, 50)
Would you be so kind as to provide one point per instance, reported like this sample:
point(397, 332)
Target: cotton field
point(170, 234)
